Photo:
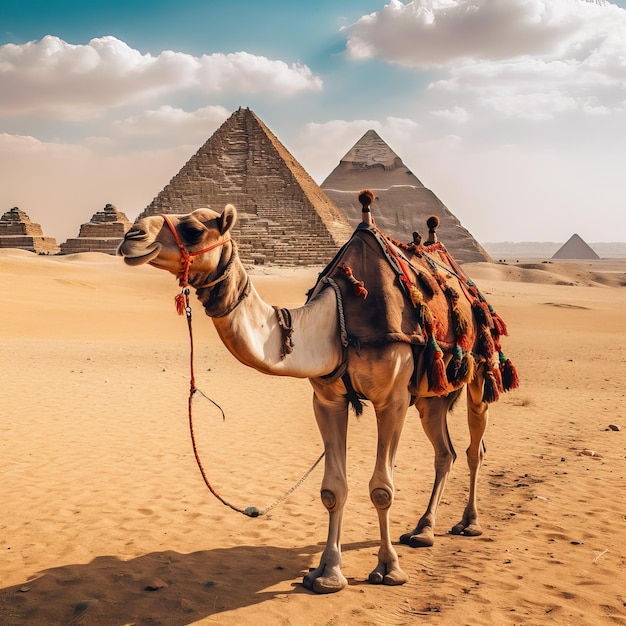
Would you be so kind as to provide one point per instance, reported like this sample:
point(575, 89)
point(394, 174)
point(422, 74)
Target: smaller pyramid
point(575, 248)
point(17, 231)
point(103, 233)
point(403, 203)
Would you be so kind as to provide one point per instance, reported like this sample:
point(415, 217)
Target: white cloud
point(166, 120)
point(540, 56)
point(63, 80)
point(530, 106)
point(426, 33)
point(457, 115)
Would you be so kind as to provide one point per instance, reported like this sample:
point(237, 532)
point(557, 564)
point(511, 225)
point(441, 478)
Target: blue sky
point(513, 113)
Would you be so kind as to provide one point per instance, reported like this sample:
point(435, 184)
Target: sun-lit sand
point(105, 518)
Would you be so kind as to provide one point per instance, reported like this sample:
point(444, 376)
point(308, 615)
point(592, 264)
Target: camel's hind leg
point(434, 418)
point(477, 417)
point(331, 413)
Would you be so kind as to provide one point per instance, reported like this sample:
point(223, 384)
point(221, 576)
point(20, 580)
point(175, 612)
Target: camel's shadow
point(160, 587)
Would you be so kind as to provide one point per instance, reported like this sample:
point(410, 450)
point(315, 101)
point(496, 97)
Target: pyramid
point(402, 203)
point(103, 233)
point(283, 215)
point(17, 231)
point(575, 248)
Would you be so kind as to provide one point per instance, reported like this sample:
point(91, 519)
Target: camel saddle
point(388, 291)
point(375, 281)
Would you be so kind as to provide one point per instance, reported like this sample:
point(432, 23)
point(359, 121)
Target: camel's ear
point(227, 219)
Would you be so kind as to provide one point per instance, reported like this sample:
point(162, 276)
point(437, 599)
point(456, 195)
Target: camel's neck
point(256, 335)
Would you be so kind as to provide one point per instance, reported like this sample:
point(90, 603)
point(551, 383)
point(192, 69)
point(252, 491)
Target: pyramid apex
point(372, 151)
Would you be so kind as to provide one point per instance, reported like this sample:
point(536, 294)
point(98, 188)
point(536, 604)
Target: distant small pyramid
point(283, 215)
point(103, 233)
point(575, 248)
point(402, 203)
point(17, 231)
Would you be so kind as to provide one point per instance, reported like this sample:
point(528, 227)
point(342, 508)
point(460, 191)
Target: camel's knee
point(331, 500)
point(381, 497)
point(444, 460)
point(475, 456)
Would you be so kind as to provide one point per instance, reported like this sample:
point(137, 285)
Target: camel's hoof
point(394, 577)
point(423, 539)
point(471, 530)
point(397, 577)
point(324, 585)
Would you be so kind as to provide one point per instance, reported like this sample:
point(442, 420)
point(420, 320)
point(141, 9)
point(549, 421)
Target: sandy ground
point(101, 497)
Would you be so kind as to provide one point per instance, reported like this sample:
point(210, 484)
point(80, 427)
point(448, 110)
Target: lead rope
point(183, 306)
point(250, 511)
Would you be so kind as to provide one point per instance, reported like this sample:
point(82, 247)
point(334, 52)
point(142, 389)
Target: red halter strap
point(185, 255)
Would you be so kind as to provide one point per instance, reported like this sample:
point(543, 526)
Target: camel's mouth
point(139, 257)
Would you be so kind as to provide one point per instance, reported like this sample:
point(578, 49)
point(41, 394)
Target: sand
point(105, 518)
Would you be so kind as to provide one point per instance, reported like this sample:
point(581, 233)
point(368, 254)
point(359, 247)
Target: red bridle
point(186, 256)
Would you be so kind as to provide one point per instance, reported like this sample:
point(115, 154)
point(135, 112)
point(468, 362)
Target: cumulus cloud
point(457, 115)
point(167, 119)
point(534, 57)
point(426, 33)
point(70, 81)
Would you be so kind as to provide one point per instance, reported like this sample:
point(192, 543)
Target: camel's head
point(201, 234)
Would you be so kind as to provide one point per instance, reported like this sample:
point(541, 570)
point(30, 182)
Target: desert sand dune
point(105, 518)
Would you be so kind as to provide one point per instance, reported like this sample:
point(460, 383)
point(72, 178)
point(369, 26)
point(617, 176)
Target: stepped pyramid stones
point(17, 231)
point(283, 215)
point(575, 248)
point(402, 203)
point(103, 233)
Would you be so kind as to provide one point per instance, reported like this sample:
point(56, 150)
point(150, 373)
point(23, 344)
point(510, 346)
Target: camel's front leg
point(477, 417)
point(331, 413)
point(434, 418)
point(390, 419)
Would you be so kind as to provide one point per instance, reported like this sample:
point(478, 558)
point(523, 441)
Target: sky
point(513, 112)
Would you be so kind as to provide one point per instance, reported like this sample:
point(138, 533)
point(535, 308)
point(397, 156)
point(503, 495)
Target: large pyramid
point(283, 215)
point(575, 248)
point(402, 204)
point(103, 233)
point(17, 231)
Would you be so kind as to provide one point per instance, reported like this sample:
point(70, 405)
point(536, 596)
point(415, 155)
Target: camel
point(198, 249)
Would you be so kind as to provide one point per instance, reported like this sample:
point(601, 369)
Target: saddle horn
point(433, 223)
point(366, 197)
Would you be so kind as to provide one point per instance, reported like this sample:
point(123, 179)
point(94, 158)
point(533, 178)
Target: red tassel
point(490, 390)
point(499, 325)
point(180, 303)
point(439, 381)
point(510, 379)
point(359, 289)
point(485, 345)
point(358, 286)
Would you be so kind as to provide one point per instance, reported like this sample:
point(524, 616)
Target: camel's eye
point(190, 233)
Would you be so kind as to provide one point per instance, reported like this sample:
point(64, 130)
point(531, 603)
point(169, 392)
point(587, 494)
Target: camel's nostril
point(136, 232)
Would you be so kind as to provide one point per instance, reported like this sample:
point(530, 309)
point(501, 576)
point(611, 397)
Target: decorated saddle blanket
point(383, 288)
point(388, 291)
